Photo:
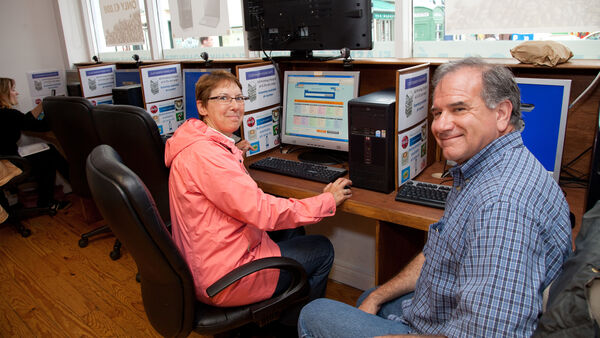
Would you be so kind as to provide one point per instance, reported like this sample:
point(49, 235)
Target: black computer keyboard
point(308, 171)
point(429, 194)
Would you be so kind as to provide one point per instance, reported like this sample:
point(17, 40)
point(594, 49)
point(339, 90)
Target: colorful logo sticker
point(179, 104)
point(405, 141)
point(405, 174)
point(251, 122)
point(405, 158)
point(254, 147)
point(252, 134)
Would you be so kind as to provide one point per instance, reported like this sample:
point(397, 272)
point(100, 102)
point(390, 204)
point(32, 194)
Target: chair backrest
point(134, 135)
point(125, 203)
point(70, 119)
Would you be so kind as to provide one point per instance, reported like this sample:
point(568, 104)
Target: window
point(123, 52)
point(230, 45)
point(431, 40)
point(414, 28)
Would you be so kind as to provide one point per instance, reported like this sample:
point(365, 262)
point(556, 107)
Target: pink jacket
point(220, 217)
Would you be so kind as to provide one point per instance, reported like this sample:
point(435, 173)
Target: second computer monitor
point(315, 109)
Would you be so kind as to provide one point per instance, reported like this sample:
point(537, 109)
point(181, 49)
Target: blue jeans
point(330, 318)
point(315, 254)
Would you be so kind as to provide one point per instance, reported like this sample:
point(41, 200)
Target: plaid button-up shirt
point(503, 238)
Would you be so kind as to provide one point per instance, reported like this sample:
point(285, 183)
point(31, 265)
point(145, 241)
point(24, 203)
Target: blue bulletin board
point(544, 107)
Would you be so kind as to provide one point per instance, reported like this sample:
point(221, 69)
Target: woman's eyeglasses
point(226, 99)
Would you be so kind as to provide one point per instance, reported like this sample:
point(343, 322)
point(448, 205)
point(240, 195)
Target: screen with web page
point(315, 108)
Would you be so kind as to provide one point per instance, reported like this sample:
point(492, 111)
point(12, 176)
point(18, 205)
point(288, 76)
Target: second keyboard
point(307, 171)
point(429, 194)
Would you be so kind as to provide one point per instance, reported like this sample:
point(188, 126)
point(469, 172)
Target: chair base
point(17, 213)
point(84, 241)
point(19, 227)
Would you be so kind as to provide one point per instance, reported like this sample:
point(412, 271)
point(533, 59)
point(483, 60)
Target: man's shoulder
point(517, 177)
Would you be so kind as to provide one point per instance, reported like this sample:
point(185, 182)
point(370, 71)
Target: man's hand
point(370, 304)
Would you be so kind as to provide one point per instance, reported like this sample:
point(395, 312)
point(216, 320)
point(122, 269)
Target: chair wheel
point(114, 255)
point(83, 242)
point(25, 233)
point(52, 212)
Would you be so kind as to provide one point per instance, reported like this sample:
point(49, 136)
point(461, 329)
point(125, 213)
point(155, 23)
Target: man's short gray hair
point(498, 84)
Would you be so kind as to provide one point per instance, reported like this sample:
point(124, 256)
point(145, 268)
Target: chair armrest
point(298, 286)
point(284, 263)
point(296, 291)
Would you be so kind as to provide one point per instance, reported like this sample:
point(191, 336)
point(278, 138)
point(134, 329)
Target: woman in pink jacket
point(220, 217)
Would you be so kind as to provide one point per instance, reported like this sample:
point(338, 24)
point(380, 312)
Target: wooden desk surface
point(377, 205)
point(363, 202)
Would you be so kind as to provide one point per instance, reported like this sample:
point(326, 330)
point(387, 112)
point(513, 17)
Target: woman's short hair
point(207, 82)
point(498, 84)
point(6, 85)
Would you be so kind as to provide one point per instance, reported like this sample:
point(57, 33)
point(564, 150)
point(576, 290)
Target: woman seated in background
point(220, 217)
point(44, 163)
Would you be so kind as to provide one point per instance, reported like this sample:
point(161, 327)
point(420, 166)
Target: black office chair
point(166, 281)
point(70, 119)
point(134, 135)
point(18, 212)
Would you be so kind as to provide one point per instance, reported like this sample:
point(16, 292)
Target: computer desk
point(401, 228)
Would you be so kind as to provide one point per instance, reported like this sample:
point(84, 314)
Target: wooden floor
point(49, 286)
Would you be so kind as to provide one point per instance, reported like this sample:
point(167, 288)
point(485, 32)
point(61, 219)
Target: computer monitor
point(190, 77)
point(544, 106)
point(315, 112)
point(301, 27)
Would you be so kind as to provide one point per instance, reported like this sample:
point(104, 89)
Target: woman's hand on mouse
point(340, 189)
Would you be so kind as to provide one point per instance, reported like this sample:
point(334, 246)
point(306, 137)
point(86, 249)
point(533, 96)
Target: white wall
point(30, 36)
point(353, 239)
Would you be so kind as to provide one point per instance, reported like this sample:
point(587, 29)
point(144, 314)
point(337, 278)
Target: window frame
point(403, 44)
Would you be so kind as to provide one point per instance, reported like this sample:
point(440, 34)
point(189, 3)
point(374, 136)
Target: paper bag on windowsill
point(542, 53)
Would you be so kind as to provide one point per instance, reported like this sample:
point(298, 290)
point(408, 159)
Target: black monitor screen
point(306, 25)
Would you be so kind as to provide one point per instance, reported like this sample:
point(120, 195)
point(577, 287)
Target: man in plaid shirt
point(503, 237)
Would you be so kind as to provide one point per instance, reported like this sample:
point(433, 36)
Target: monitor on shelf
point(315, 112)
point(302, 26)
point(544, 107)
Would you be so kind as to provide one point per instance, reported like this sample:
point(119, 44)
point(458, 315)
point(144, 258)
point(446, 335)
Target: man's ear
point(503, 114)
point(201, 110)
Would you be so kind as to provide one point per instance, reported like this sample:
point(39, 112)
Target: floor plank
point(49, 286)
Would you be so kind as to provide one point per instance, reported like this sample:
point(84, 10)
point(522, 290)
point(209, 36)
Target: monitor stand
point(323, 156)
